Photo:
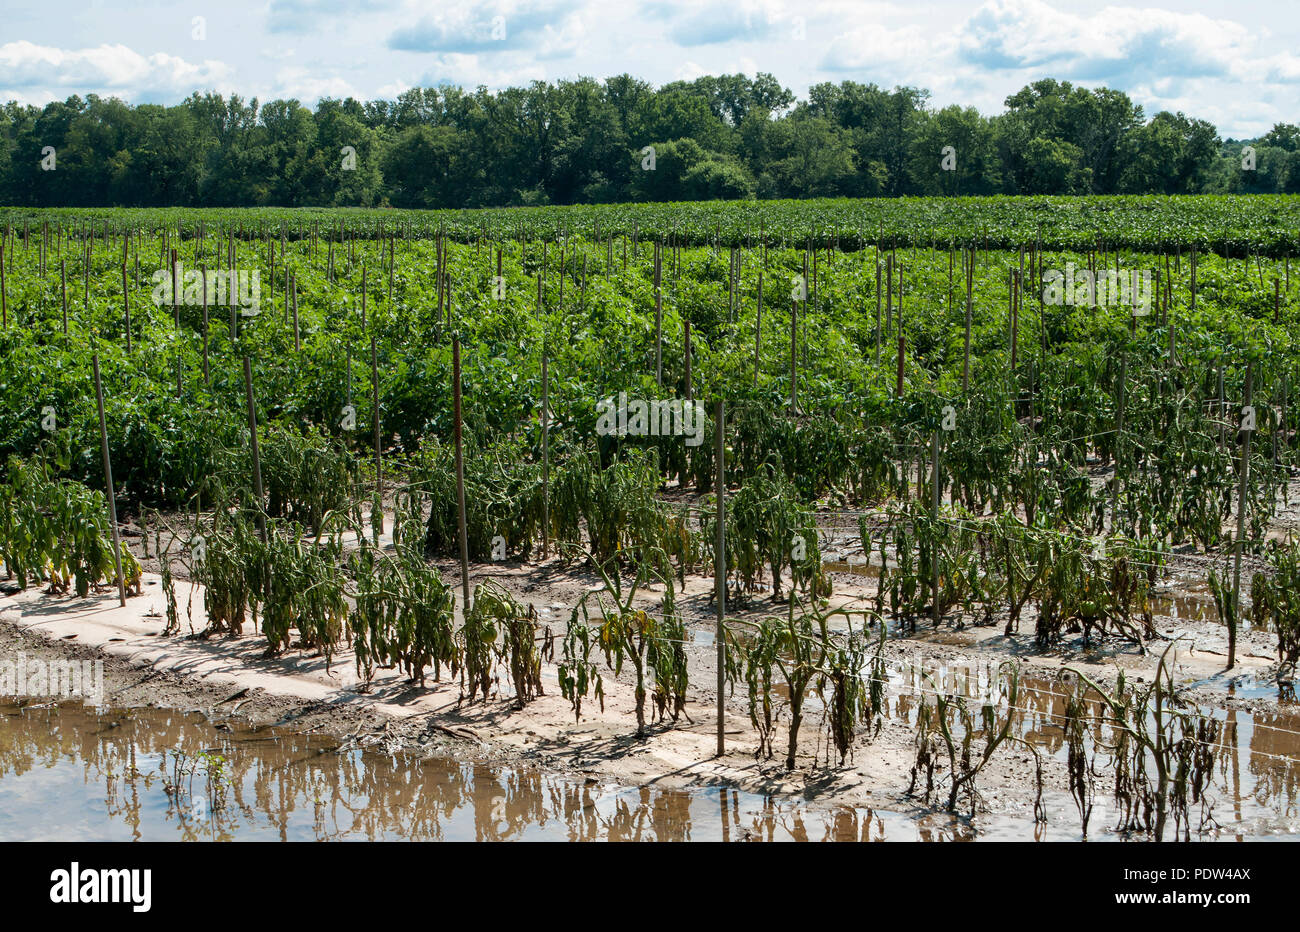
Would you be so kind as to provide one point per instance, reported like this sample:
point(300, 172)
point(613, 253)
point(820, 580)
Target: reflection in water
point(1258, 781)
point(1193, 603)
point(69, 773)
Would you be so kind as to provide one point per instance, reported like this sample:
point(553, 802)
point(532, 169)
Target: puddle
point(853, 568)
point(1257, 777)
point(1184, 607)
point(73, 774)
point(1257, 788)
point(1195, 604)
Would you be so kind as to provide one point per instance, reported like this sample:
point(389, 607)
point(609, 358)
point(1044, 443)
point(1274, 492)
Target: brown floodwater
point(1255, 788)
point(1253, 793)
point(1195, 603)
point(72, 773)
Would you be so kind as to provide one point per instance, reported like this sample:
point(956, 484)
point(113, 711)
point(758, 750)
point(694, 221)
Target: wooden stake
point(1244, 470)
point(1119, 441)
point(965, 364)
point(794, 359)
point(126, 307)
point(758, 328)
point(889, 292)
point(260, 516)
point(934, 518)
point(546, 456)
point(460, 474)
point(376, 520)
point(659, 335)
point(1015, 317)
point(686, 339)
point(109, 490)
point(878, 303)
point(203, 274)
point(4, 288)
point(902, 346)
point(293, 299)
point(720, 567)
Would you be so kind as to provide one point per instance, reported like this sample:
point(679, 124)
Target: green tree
point(974, 157)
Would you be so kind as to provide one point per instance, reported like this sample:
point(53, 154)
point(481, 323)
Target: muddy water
point(73, 774)
point(1255, 791)
point(1193, 604)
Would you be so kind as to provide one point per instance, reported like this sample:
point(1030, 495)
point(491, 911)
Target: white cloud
point(1164, 59)
point(393, 90)
point(308, 86)
point(710, 22)
point(306, 16)
point(1235, 63)
point(1282, 68)
point(871, 45)
point(689, 71)
point(843, 11)
point(546, 27)
point(562, 40)
point(1114, 42)
point(39, 73)
point(469, 71)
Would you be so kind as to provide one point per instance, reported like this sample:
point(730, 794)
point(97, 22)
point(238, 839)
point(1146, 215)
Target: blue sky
point(1235, 64)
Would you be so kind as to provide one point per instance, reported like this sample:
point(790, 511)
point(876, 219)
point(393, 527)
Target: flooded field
point(71, 773)
point(1254, 791)
point(1255, 785)
point(1193, 602)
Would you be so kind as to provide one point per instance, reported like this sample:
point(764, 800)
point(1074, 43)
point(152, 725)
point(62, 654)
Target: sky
point(1234, 64)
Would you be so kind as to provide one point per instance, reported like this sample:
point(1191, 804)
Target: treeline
point(586, 141)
